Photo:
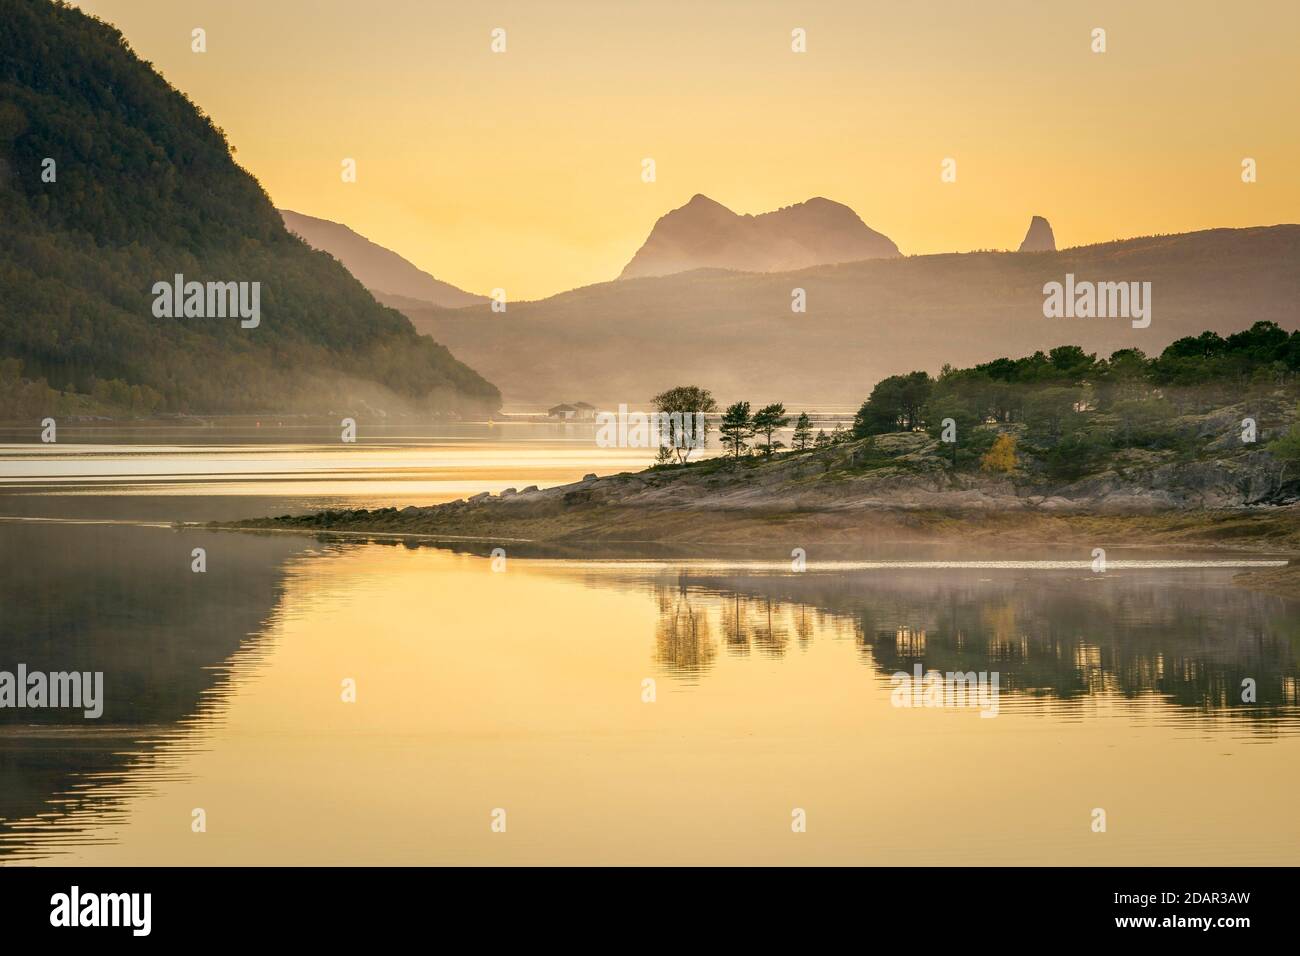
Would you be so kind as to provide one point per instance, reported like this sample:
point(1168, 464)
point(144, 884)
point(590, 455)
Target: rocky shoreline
point(892, 488)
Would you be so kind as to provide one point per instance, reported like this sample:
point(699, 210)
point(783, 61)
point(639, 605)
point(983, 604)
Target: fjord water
point(524, 689)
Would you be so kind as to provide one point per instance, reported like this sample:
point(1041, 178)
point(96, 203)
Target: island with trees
point(1199, 445)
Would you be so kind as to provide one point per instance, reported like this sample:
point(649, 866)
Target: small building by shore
point(576, 412)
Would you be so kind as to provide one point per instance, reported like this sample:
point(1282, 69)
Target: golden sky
point(522, 170)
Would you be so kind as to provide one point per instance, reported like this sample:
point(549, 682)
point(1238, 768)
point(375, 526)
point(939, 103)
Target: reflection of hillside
point(1186, 636)
point(124, 601)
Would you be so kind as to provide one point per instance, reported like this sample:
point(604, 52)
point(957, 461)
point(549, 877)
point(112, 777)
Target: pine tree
point(736, 428)
point(802, 439)
point(766, 421)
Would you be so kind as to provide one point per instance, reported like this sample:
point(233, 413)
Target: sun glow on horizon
point(521, 170)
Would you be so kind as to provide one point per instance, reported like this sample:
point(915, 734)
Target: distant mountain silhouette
point(378, 269)
point(735, 333)
point(1039, 238)
point(706, 234)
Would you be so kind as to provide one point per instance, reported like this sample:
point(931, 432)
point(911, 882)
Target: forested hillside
point(144, 187)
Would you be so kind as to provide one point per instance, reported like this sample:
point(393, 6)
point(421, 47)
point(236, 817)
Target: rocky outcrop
point(1039, 238)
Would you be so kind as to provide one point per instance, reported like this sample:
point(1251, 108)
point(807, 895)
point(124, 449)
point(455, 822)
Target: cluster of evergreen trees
point(1130, 399)
point(1193, 373)
point(738, 425)
point(1070, 406)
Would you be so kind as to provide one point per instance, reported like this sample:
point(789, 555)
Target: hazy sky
point(522, 169)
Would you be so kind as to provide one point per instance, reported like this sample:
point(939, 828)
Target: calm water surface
point(523, 689)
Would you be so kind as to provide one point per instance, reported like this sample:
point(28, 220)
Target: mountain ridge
point(378, 268)
point(634, 337)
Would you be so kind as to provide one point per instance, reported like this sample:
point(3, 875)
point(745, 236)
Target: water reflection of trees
point(684, 636)
point(1188, 637)
point(683, 640)
point(753, 624)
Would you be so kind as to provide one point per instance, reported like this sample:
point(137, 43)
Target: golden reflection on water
point(523, 690)
point(428, 469)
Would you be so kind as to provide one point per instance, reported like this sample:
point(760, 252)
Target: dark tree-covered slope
point(146, 188)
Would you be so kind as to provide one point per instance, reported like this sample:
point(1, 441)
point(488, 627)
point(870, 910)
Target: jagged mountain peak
point(703, 233)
